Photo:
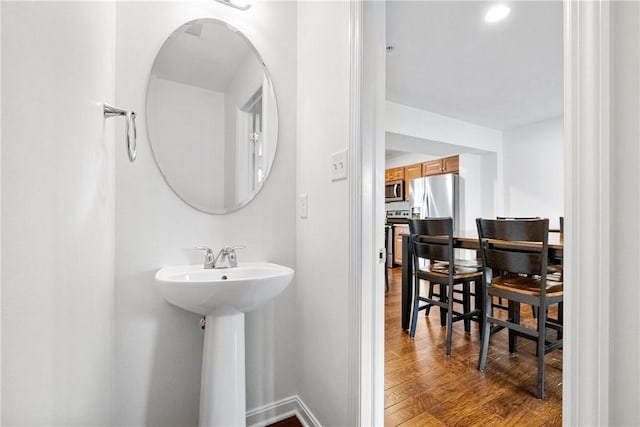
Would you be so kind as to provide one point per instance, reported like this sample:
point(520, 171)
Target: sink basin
point(239, 289)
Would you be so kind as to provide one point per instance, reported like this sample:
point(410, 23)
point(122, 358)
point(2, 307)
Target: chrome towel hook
point(110, 111)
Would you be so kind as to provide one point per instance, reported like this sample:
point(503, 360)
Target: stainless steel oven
point(394, 191)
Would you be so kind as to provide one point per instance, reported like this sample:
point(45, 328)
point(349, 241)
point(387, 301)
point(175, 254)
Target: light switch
point(304, 202)
point(339, 165)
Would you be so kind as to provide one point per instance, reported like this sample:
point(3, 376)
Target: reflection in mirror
point(212, 116)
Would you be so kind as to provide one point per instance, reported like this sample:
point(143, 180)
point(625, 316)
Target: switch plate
point(304, 203)
point(339, 165)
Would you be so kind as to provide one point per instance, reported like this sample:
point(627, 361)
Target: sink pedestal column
point(222, 392)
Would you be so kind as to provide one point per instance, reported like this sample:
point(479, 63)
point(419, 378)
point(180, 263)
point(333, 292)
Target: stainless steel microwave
point(394, 191)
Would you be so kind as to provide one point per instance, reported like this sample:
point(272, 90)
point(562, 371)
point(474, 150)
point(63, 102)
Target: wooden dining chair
point(555, 270)
point(433, 259)
point(515, 218)
point(518, 250)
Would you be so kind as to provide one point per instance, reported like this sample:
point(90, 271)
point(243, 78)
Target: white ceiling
point(205, 54)
point(446, 59)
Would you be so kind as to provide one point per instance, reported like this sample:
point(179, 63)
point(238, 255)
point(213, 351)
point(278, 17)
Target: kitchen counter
point(393, 221)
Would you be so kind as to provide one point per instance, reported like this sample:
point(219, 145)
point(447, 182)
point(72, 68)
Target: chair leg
point(386, 279)
point(486, 332)
point(479, 303)
point(428, 309)
point(560, 318)
point(542, 334)
point(416, 295)
point(443, 297)
point(449, 318)
point(466, 303)
point(514, 314)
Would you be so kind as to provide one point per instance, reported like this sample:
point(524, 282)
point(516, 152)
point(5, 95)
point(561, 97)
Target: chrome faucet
point(209, 261)
point(226, 258)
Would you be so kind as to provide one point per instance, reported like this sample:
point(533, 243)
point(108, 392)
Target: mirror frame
point(224, 210)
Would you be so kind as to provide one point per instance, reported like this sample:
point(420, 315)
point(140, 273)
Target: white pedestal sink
point(223, 296)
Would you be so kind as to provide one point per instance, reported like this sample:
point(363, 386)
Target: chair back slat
point(517, 217)
point(431, 226)
point(432, 238)
point(431, 251)
point(512, 261)
point(529, 230)
point(514, 246)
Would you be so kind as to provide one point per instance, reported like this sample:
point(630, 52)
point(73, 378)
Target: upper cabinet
point(451, 164)
point(432, 167)
point(394, 174)
point(441, 166)
point(411, 172)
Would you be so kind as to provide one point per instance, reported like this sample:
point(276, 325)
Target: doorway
point(585, 76)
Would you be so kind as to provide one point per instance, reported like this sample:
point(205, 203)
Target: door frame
point(587, 225)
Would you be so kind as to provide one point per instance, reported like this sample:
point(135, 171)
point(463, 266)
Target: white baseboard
point(279, 410)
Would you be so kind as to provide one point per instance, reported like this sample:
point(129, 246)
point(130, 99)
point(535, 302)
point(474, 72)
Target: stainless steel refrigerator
point(435, 196)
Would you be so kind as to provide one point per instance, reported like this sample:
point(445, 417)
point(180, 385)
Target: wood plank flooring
point(423, 387)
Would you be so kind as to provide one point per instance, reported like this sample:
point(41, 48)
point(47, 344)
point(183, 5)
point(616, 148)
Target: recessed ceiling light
point(496, 13)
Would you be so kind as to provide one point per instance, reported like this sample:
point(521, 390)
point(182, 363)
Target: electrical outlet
point(339, 165)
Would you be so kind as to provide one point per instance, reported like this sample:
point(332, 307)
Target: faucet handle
point(208, 256)
point(230, 253)
point(226, 250)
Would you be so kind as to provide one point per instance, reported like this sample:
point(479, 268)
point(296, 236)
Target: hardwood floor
point(423, 387)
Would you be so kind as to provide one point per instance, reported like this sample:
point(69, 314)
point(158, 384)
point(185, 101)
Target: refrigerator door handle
point(426, 203)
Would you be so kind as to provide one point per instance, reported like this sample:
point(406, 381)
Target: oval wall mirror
point(212, 117)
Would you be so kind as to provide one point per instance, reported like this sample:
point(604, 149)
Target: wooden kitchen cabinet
point(411, 172)
point(394, 174)
point(398, 232)
point(432, 167)
point(440, 166)
point(451, 164)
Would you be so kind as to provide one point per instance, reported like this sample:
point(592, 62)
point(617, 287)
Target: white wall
point(322, 262)
point(189, 141)
point(413, 122)
point(158, 347)
point(625, 207)
point(534, 170)
point(407, 159)
point(57, 212)
point(471, 190)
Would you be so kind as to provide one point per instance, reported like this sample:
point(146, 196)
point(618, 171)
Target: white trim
point(366, 284)
point(372, 107)
point(587, 233)
point(0, 231)
point(356, 380)
point(280, 410)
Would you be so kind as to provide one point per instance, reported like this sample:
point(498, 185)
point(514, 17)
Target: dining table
point(466, 239)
